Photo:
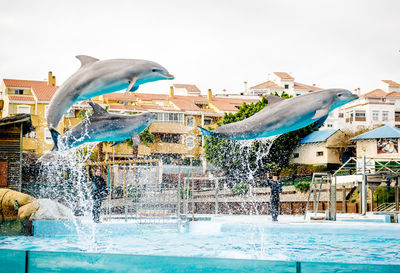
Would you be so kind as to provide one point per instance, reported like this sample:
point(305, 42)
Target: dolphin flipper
point(132, 87)
point(319, 122)
point(321, 113)
point(206, 132)
point(54, 136)
point(116, 143)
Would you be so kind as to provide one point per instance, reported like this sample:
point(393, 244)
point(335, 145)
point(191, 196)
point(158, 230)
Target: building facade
point(318, 148)
point(377, 107)
point(175, 130)
point(279, 82)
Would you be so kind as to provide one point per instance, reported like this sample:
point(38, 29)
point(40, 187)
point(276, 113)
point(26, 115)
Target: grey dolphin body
point(95, 78)
point(103, 126)
point(285, 115)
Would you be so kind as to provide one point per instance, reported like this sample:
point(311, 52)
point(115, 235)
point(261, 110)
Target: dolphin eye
point(339, 95)
point(155, 70)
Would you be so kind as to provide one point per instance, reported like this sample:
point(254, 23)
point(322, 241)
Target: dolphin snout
point(169, 76)
point(354, 96)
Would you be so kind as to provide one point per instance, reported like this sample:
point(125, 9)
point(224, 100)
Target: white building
point(377, 107)
point(279, 82)
point(318, 148)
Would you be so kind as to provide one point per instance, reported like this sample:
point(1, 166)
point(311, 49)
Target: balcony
point(169, 128)
point(360, 119)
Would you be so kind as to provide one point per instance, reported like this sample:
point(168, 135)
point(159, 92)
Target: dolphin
point(95, 78)
point(285, 115)
point(103, 126)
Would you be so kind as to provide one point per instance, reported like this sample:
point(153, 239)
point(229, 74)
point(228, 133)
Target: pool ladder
point(315, 190)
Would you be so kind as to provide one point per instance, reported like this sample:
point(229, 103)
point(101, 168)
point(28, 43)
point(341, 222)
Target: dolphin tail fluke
point(206, 132)
point(54, 135)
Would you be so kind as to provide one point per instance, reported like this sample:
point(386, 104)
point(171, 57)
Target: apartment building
point(32, 97)
point(175, 130)
point(377, 107)
point(280, 82)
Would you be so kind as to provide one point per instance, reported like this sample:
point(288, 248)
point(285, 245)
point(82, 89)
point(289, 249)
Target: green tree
point(250, 160)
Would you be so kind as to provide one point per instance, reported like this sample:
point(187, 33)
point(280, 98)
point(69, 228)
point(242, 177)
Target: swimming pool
point(236, 245)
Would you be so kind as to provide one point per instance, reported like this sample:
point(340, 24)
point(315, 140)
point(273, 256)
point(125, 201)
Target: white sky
point(214, 44)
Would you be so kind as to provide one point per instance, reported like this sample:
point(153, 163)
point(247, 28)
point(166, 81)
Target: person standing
point(276, 189)
point(99, 187)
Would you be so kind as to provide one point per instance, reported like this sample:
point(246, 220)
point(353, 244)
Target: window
point(47, 136)
point(200, 140)
point(375, 115)
point(190, 142)
point(207, 121)
point(329, 125)
point(385, 115)
point(286, 86)
point(360, 113)
point(397, 115)
point(190, 121)
point(170, 117)
point(296, 155)
point(202, 105)
point(171, 138)
point(320, 153)
point(23, 109)
point(124, 103)
point(19, 92)
point(46, 108)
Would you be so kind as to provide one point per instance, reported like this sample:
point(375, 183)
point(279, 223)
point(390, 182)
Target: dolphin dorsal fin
point(86, 59)
point(273, 99)
point(97, 109)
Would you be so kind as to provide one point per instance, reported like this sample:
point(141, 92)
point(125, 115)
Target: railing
point(373, 165)
point(386, 207)
point(38, 261)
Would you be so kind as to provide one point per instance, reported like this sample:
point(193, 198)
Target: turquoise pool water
point(234, 245)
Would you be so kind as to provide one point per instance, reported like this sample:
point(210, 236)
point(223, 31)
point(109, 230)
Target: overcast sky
point(214, 44)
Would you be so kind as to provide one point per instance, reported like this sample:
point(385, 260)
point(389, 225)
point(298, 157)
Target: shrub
point(241, 189)
point(303, 186)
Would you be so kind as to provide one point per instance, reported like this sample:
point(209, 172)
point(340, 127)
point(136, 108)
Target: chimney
point(171, 92)
point(357, 91)
point(51, 79)
point(209, 95)
point(246, 91)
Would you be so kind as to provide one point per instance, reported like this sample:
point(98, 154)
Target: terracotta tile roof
point(22, 98)
point(265, 85)
point(120, 96)
point(185, 105)
point(377, 93)
point(223, 105)
point(391, 83)
point(41, 89)
point(393, 94)
point(157, 107)
point(284, 75)
point(135, 96)
point(298, 85)
point(144, 96)
point(189, 87)
point(126, 107)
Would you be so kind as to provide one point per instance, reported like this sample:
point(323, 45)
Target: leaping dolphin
point(285, 115)
point(103, 126)
point(95, 78)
